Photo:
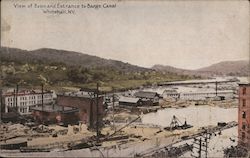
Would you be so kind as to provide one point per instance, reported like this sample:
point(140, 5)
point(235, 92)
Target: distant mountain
point(167, 68)
point(67, 57)
point(240, 68)
point(233, 68)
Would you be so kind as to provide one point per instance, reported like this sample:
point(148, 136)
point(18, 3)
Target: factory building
point(23, 100)
point(86, 103)
point(244, 115)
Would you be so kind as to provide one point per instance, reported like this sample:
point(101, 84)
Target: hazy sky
point(184, 34)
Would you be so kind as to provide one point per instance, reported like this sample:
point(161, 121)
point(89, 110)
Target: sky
point(184, 34)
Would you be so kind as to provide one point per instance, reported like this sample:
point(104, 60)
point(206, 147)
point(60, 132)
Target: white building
point(26, 99)
point(226, 94)
point(186, 93)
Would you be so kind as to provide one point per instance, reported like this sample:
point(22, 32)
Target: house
point(244, 115)
point(86, 103)
point(129, 101)
point(148, 98)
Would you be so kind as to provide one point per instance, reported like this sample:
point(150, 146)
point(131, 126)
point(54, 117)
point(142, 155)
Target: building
point(244, 115)
point(148, 98)
point(48, 114)
point(186, 93)
point(86, 103)
point(24, 99)
point(129, 101)
point(171, 93)
point(226, 94)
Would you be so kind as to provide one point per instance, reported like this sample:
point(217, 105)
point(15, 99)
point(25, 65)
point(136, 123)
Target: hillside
point(232, 68)
point(170, 69)
point(59, 68)
point(69, 58)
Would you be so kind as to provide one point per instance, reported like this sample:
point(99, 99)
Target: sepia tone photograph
point(125, 78)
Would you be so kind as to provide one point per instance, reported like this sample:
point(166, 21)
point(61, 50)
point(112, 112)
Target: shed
point(148, 98)
point(129, 101)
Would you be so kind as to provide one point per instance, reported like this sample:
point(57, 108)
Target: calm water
point(198, 116)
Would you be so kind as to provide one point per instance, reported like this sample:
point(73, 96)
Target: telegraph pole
point(113, 107)
point(42, 96)
point(14, 101)
point(97, 112)
point(202, 145)
point(17, 89)
point(216, 88)
point(91, 113)
point(1, 104)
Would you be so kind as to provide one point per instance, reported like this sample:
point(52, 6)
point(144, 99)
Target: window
point(243, 114)
point(243, 135)
point(244, 102)
point(243, 126)
point(244, 90)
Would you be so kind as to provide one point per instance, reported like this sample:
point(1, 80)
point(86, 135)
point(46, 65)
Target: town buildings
point(22, 100)
point(244, 115)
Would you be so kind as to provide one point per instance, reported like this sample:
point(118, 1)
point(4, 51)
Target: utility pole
point(113, 107)
point(16, 97)
point(1, 104)
point(216, 87)
point(97, 112)
point(42, 96)
point(201, 144)
point(94, 96)
point(91, 113)
point(14, 101)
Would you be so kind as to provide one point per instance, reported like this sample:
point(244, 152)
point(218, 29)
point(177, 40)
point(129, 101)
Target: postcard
point(125, 78)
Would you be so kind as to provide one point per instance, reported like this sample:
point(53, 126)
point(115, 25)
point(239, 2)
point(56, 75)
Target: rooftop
point(79, 94)
point(26, 92)
point(146, 94)
point(129, 99)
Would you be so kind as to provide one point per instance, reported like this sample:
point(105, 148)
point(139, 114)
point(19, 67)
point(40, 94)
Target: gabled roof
point(129, 99)
point(146, 94)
